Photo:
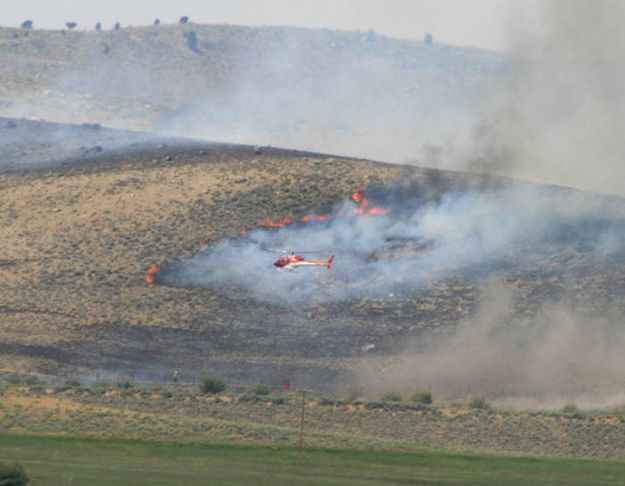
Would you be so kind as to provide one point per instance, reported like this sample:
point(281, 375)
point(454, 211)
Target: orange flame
point(154, 269)
point(358, 197)
point(375, 211)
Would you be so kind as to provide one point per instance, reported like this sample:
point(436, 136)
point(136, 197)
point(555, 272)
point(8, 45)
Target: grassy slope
point(185, 416)
point(79, 461)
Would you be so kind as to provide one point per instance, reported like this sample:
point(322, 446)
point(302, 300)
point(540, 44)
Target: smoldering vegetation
point(424, 237)
point(544, 329)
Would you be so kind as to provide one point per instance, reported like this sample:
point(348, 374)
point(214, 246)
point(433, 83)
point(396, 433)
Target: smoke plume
point(559, 118)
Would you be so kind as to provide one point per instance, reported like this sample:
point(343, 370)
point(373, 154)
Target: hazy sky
point(477, 23)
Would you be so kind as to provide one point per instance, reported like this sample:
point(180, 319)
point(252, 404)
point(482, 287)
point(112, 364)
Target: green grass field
point(58, 460)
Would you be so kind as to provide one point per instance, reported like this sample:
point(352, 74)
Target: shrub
point(569, 408)
point(13, 379)
point(70, 25)
point(192, 43)
point(392, 397)
point(184, 19)
point(478, 403)
point(260, 389)
point(249, 398)
point(422, 397)
point(27, 24)
point(212, 384)
point(12, 474)
point(33, 380)
point(72, 383)
point(125, 383)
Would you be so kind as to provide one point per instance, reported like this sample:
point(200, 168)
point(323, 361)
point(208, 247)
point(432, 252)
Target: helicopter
point(293, 261)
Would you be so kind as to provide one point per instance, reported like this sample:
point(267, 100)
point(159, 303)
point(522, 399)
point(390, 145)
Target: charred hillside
point(78, 239)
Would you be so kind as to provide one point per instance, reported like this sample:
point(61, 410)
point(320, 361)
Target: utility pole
point(301, 423)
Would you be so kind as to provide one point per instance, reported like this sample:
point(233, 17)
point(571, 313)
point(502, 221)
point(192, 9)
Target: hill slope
point(419, 311)
point(338, 92)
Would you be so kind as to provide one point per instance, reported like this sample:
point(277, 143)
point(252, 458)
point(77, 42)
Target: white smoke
point(416, 242)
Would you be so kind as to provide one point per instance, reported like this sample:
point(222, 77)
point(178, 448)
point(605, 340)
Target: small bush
point(392, 397)
point(422, 397)
point(569, 408)
point(13, 379)
point(212, 384)
point(250, 398)
point(260, 390)
point(12, 474)
point(192, 42)
point(478, 403)
point(72, 383)
point(125, 384)
point(34, 380)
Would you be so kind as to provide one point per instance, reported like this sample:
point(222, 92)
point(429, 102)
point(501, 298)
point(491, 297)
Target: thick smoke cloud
point(559, 118)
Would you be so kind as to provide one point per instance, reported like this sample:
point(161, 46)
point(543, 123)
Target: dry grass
point(77, 240)
point(183, 415)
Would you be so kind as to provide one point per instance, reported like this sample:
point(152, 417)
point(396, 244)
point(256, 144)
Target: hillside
point(340, 92)
point(451, 288)
point(78, 238)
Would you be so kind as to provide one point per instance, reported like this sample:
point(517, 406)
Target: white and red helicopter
point(293, 261)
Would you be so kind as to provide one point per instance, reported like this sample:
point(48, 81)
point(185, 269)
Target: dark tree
point(427, 40)
point(98, 27)
point(157, 21)
point(70, 25)
point(27, 24)
point(212, 384)
point(13, 474)
point(191, 38)
point(117, 26)
point(184, 19)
